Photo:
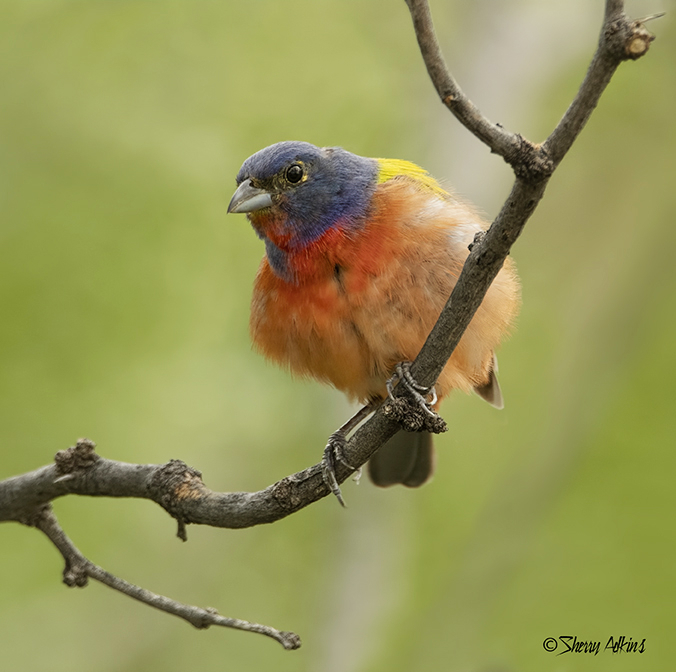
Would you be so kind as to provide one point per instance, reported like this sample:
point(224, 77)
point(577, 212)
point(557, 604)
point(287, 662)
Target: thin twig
point(506, 144)
point(78, 569)
point(620, 40)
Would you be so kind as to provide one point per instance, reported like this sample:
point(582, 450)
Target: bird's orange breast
point(367, 298)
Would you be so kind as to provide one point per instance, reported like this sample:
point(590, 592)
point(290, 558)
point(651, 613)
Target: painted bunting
point(361, 256)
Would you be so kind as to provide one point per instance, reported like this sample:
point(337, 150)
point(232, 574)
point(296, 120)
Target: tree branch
point(78, 570)
point(175, 486)
point(620, 39)
point(180, 490)
point(507, 145)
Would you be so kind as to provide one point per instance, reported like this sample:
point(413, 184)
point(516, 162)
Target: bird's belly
point(311, 330)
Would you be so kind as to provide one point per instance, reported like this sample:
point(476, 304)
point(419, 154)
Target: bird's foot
point(414, 411)
point(334, 453)
point(335, 450)
point(402, 374)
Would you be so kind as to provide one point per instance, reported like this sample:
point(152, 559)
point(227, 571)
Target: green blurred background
point(124, 294)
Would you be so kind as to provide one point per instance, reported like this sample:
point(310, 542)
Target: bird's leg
point(335, 449)
point(406, 413)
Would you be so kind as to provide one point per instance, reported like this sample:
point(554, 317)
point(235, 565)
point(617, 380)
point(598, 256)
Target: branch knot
point(411, 417)
point(639, 41)
point(75, 573)
point(172, 485)
point(627, 40)
point(531, 162)
point(79, 457)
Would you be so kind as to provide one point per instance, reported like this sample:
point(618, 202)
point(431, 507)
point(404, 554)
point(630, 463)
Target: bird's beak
point(248, 198)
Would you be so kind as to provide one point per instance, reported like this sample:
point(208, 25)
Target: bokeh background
point(124, 293)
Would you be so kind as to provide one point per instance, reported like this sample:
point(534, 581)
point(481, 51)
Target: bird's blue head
point(293, 192)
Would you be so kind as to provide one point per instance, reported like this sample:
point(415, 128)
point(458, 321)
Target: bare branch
point(175, 486)
point(79, 569)
point(507, 145)
point(620, 40)
point(614, 10)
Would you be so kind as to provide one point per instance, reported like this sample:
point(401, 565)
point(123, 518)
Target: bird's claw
point(417, 417)
point(334, 453)
point(402, 374)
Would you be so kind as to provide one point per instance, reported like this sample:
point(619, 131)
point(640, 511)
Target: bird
point(361, 255)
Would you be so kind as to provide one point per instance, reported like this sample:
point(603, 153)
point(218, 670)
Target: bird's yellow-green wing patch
point(391, 168)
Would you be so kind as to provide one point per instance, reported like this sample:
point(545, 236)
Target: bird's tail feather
point(407, 458)
point(490, 390)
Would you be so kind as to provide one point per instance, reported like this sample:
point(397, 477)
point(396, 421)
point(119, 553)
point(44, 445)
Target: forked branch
point(620, 39)
point(78, 570)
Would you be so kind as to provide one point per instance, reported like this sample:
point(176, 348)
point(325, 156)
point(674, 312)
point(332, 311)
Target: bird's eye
point(294, 173)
